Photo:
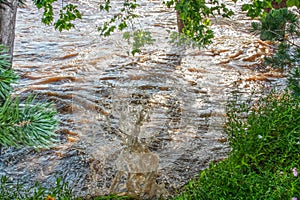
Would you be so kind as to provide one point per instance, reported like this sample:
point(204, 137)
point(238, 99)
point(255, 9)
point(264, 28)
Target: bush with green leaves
point(10, 190)
point(30, 123)
point(262, 7)
point(264, 162)
point(60, 191)
point(270, 134)
point(275, 24)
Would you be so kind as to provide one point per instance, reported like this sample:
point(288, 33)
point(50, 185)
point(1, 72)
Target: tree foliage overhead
point(262, 7)
point(67, 14)
point(195, 16)
point(119, 21)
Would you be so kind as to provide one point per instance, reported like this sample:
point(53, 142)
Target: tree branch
point(4, 2)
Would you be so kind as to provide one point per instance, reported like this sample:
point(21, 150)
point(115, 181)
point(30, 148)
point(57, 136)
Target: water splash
point(136, 165)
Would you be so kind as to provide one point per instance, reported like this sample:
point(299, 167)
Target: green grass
point(61, 191)
point(265, 153)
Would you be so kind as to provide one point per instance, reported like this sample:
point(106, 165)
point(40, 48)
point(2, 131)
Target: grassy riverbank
point(265, 157)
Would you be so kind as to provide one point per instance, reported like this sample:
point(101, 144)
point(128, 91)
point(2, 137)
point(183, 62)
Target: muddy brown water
point(143, 124)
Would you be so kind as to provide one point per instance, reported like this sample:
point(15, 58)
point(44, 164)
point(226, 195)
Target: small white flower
point(281, 173)
point(259, 136)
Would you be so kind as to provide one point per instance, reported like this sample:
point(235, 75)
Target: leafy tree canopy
point(261, 7)
point(194, 14)
point(67, 14)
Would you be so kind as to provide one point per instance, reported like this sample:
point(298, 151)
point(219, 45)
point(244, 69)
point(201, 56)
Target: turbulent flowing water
point(141, 125)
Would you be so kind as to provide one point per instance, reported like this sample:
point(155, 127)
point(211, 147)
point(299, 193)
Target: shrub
point(264, 161)
point(28, 123)
point(9, 191)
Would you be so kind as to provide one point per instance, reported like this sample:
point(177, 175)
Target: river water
point(141, 125)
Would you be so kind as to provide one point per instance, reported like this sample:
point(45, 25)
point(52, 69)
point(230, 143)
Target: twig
point(5, 3)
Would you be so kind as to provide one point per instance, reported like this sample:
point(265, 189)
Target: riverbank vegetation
point(264, 160)
point(23, 122)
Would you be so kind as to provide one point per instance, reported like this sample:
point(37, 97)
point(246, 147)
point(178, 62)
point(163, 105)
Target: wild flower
point(295, 172)
point(50, 198)
point(259, 137)
point(294, 198)
point(281, 173)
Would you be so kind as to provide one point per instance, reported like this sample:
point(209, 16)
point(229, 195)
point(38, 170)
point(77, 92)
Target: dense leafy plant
point(262, 7)
point(264, 136)
point(29, 123)
point(60, 191)
point(10, 190)
point(276, 24)
point(269, 133)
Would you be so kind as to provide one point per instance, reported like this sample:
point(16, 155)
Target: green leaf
point(118, 21)
point(126, 36)
point(206, 22)
point(291, 3)
point(68, 14)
